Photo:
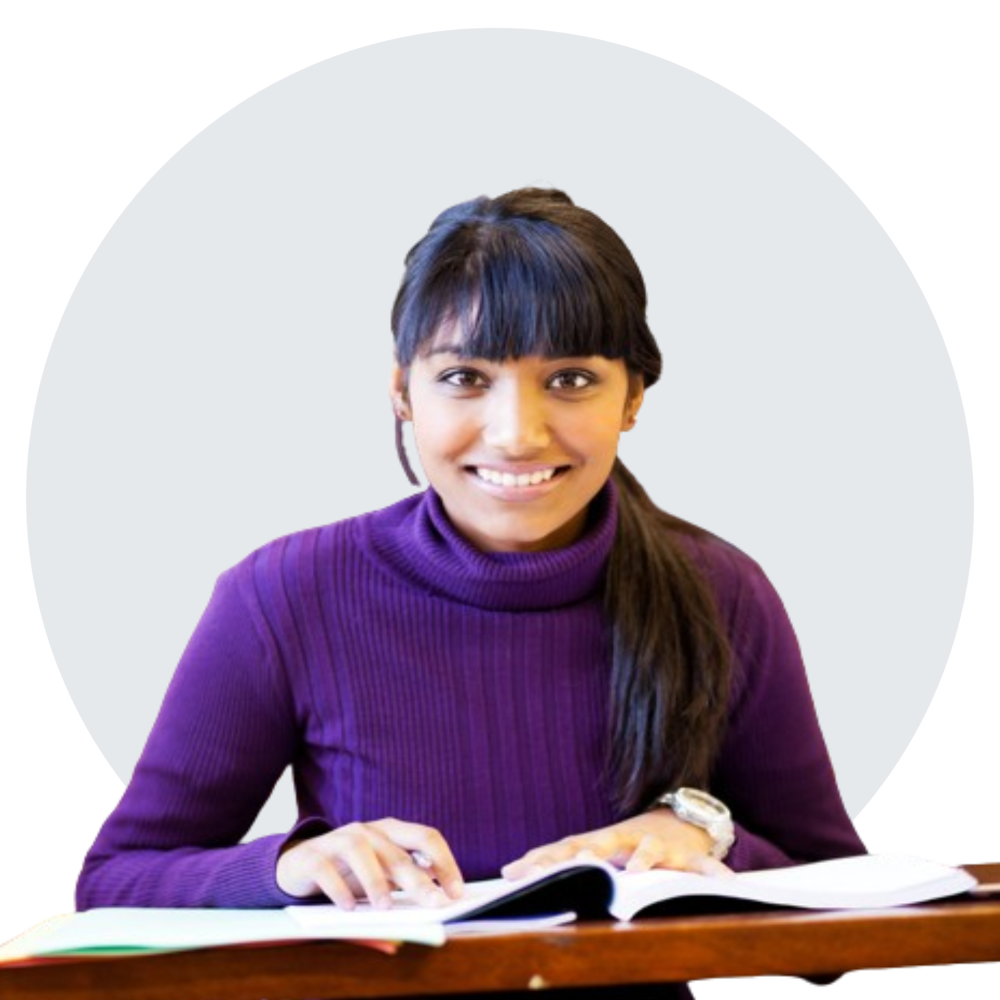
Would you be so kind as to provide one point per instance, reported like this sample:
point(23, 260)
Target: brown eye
point(463, 378)
point(571, 380)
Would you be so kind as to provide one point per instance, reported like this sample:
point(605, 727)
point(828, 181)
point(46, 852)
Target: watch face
point(704, 810)
point(701, 804)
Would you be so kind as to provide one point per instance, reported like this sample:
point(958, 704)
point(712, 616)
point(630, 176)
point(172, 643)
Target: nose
point(517, 423)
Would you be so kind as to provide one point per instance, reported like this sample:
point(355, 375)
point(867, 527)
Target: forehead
point(453, 339)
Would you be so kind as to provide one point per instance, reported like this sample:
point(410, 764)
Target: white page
point(409, 913)
point(510, 925)
point(123, 928)
point(865, 881)
point(877, 874)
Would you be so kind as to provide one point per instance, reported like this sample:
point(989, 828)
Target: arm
point(774, 771)
point(224, 734)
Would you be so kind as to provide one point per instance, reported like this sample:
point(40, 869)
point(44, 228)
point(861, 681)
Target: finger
point(399, 866)
point(411, 878)
point(655, 851)
point(535, 862)
point(539, 859)
point(532, 863)
point(308, 868)
point(613, 847)
point(647, 854)
point(332, 884)
point(358, 858)
point(691, 861)
point(514, 870)
point(429, 843)
point(712, 867)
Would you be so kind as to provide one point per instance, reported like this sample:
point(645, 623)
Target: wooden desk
point(793, 943)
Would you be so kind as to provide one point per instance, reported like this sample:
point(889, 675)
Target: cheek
point(596, 436)
point(440, 437)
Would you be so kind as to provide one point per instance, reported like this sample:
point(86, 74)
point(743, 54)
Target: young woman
point(518, 665)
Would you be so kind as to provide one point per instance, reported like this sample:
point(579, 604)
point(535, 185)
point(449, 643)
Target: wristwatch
point(701, 809)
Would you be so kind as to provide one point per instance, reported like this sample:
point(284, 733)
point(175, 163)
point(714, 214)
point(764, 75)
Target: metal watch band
point(703, 810)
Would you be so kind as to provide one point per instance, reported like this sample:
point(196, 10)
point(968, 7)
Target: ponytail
point(670, 654)
point(530, 272)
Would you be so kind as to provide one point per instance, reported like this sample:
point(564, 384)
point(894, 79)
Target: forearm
point(774, 771)
point(751, 852)
point(237, 877)
point(225, 732)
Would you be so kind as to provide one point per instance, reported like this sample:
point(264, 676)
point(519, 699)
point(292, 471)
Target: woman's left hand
point(655, 839)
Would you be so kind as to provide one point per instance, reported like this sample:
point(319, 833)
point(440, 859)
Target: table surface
point(786, 942)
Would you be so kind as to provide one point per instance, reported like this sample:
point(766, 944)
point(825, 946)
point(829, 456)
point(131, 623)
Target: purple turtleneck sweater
point(402, 672)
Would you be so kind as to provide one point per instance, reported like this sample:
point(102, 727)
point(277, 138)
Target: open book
point(562, 894)
point(595, 890)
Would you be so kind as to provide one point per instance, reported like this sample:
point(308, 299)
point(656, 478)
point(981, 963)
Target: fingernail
point(434, 897)
point(455, 888)
point(421, 860)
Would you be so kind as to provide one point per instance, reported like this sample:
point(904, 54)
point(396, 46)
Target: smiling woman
point(526, 662)
point(516, 449)
point(504, 305)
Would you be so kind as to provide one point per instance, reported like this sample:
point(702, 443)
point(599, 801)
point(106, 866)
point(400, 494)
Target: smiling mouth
point(518, 480)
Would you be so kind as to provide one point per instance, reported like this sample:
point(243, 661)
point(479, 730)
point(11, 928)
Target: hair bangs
point(518, 292)
point(499, 281)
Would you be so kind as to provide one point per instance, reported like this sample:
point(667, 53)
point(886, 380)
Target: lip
point(518, 494)
point(517, 469)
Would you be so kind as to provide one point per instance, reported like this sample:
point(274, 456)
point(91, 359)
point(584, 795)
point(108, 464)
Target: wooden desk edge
point(674, 949)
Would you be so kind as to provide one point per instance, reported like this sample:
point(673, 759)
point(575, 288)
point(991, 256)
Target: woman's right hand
point(369, 860)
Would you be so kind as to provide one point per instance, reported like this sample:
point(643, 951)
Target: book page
point(124, 930)
point(871, 880)
point(478, 896)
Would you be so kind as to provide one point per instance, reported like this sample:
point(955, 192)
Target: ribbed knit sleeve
point(774, 771)
point(224, 735)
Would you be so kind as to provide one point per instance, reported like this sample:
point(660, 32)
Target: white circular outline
point(790, 125)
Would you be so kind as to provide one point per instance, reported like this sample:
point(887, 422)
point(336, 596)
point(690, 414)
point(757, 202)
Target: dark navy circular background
point(219, 377)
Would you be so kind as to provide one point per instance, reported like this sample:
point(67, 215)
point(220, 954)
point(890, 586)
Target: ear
point(398, 393)
point(632, 404)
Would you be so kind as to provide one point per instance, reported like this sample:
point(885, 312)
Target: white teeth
point(509, 479)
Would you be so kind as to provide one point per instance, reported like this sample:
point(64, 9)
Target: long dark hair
point(531, 273)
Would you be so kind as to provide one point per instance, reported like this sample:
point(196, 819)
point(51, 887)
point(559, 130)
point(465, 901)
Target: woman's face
point(516, 449)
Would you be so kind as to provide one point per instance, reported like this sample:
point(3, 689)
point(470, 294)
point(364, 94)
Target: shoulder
point(739, 584)
point(303, 559)
point(762, 641)
point(750, 608)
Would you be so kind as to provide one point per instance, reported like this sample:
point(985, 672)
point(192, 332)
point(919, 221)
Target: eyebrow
point(458, 352)
point(455, 349)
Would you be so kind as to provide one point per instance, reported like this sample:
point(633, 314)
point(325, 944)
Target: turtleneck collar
point(417, 539)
